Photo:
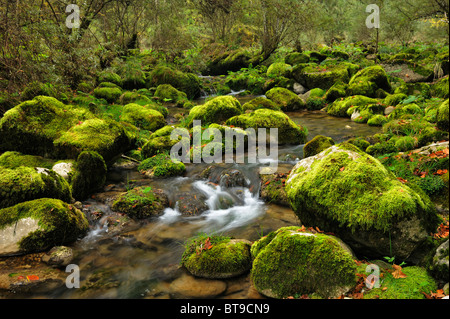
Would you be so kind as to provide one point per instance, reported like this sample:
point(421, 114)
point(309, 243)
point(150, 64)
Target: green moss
point(133, 97)
point(285, 99)
point(90, 174)
point(442, 116)
point(32, 126)
point(406, 143)
point(36, 88)
point(394, 99)
point(162, 165)
point(289, 262)
point(63, 226)
point(186, 82)
point(321, 76)
point(416, 282)
point(362, 195)
point(441, 88)
point(359, 142)
point(110, 76)
point(341, 107)
point(279, 69)
point(367, 81)
point(317, 145)
point(168, 92)
point(157, 145)
point(104, 136)
point(27, 183)
point(377, 120)
point(288, 131)
point(141, 202)
point(143, 117)
point(337, 91)
point(15, 159)
point(260, 103)
point(217, 110)
point(295, 58)
point(224, 259)
point(110, 94)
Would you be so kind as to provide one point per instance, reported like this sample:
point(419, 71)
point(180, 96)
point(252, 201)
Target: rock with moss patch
point(346, 191)
point(167, 92)
point(188, 83)
point(110, 94)
point(143, 117)
point(291, 261)
point(217, 110)
point(296, 58)
point(441, 88)
point(141, 202)
point(161, 165)
point(318, 144)
point(217, 257)
point(28, 183)
point(38, 225)
point(279, 69)
point(367, 81)
point(341, 107)
point(272, 188)
point(288, 131)
point(285, 99)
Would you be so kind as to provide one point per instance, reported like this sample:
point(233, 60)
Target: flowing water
point(122, 258)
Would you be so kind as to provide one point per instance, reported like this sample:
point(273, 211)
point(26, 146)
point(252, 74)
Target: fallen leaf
point(398, 273)
point(32, 278)
point(342, 168)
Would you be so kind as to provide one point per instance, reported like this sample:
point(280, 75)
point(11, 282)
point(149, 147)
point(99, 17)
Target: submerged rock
point(58, 256)
point(38, 225)
point(293, 261)
point(345, 191)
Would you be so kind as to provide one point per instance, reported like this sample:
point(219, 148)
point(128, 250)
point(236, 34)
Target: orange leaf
point(32, 278)
point(342, 168)
point(398, 273)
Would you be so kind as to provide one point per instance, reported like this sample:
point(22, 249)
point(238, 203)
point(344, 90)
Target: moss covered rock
point(377, 120)
point(441, 88)
point(341, 107)
point(104, 136)
point(296, 58)
point(217, 110)
point(38, 225)
point(346, 191)
point(288, 131)
point(279, 69)
point(217, 257)
point(110, 94)
point(110, 76)
point(291, 261)
point(141, 202)
point(367, 81)
point(157, 145)
point(337, 91)
point(15, 159)
point(318, 144)
point(285, 99)
point(260, 103)
point(224, 62)
point(442, 116)
point(161, 165)
point(143, 117)
point(28, 183)
point(188, 83)
point(168, 93)
point(89, 176)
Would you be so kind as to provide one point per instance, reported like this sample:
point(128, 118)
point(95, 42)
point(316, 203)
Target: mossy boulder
point(337, 91)
point(133, 97)
point(439, 266)
point(291, 261)
point(104, 136)
point(217, 257)
point(318, 144)
point(341, 107)
point(143, 117)
point(260, 103)
point(216, 110)
point(37, 88)
point(141, 202)
point(288, 131)
point(316, 100)
point(27, 183)
point(156, 145)
point(394, 99)
point(15, 159)
point(441, 88)
point(323, 76)
point(161, 165)
point(296, 58)
point(351, 194)
point(167, 92)
point(89, 176)
point(188, 83)
point(110, 76)
point(279, 69)
point(224, 62)
point(272, 188)
point(442, 116)
point(285, 99)
point(362, 113)
point(32, 126)
point(367, 81)
point(110, 94)
point(38, 225)
point(377, 120)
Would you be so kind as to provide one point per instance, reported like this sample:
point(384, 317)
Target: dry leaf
point(398, 273)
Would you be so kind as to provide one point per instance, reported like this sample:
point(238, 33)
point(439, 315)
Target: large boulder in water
point(38, 225)
point(351, 194)
point(217, 110)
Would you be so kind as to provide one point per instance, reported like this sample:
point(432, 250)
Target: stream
point(123, 258)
